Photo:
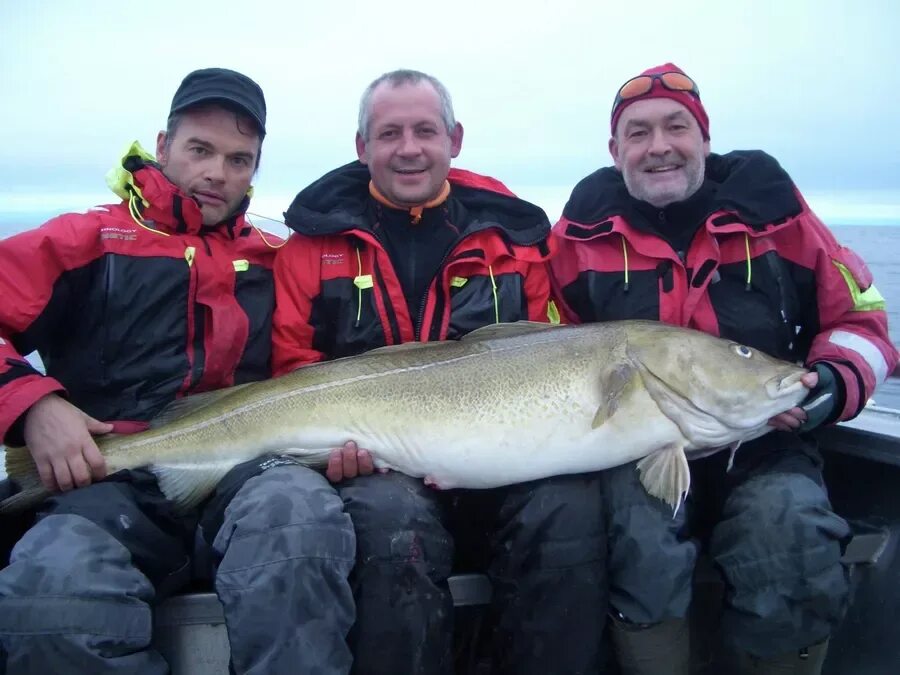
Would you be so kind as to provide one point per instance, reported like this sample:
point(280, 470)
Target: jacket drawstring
point(749, 266)
point(135, 206)
point(361, 281)
point(494, 291)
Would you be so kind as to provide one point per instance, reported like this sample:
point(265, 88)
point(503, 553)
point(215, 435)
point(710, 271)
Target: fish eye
point(742, 351)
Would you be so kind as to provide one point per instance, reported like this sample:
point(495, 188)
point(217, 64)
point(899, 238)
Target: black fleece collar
point(749, 183)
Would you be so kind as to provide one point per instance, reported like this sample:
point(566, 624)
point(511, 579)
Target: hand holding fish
point(59, 437)
point(790, 420)
point(823, 400)
point(348, 462)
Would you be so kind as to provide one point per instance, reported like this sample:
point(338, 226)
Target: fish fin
point(23, 500)
point(619, 385)
point(187, 485)
point(501, 330)
point(185, 406)
point(315, 459)
point(732, 449)
point(405, 347)
point(20, 465)
point(666, 475)
point(22, 471)
point(489, 332)
point(318, 459)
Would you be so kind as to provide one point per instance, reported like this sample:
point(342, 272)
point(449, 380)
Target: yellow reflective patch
point(363, 281)
point(552, 313)
point(869, 300)
point(189, 255)
point(241, 265)
point(458, 282)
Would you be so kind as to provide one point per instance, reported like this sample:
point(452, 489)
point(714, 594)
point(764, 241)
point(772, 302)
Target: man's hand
point(790, 420)
point(58, 435)
point(349, 462)
point(824, 400)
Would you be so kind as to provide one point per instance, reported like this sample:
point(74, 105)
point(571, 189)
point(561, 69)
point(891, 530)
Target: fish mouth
point(705, 429)
point(784, 387)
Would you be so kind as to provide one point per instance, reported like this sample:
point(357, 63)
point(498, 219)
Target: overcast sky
point(815, 83)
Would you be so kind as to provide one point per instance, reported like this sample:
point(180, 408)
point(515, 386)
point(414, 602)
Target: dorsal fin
point(489, 332)
point(185, 406)
point(503, 330)
point(406, 346)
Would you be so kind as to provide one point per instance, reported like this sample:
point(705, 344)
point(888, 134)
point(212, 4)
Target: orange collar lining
point(415, 213)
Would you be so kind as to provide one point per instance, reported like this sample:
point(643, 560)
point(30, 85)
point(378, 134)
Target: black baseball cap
point(220, 84)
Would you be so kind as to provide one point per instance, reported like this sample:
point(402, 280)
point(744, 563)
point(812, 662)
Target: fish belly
point(488, 459)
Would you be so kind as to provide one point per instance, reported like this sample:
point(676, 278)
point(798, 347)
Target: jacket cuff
point(848, 382)
point(28, 391)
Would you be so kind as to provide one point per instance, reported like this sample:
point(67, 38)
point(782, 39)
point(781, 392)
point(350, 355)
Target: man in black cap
point(131, 306)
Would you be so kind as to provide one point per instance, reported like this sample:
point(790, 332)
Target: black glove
point(825, 401)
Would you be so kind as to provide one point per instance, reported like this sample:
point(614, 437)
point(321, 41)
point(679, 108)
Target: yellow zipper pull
point(189, 255)
point(553, 313)
point(241, 265)
point(363, 281)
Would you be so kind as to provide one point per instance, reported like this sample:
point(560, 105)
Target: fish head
point(717, 391)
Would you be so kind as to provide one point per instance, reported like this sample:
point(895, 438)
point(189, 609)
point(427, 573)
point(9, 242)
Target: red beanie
point(688, 99)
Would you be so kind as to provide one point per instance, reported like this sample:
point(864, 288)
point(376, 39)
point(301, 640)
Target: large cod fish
point(505, 404)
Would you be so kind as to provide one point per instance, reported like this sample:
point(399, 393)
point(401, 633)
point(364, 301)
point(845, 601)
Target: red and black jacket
point(337, 290)
point(132, 305)
point(760, 269)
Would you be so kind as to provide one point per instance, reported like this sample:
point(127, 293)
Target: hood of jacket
point(156, 202)
point(340, 202)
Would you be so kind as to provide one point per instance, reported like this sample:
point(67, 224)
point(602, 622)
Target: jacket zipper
point(195, 323)
point(420, 319)
point(109, 283)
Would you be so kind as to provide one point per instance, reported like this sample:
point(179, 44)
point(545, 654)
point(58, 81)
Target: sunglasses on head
point(642, 84)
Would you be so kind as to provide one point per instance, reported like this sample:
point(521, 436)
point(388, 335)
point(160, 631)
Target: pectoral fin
point(665, 475)
point(618, 387)
point(503, 330)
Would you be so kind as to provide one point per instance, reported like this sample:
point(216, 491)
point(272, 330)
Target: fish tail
point(22, 470)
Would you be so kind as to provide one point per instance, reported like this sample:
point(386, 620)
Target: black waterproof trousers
point(544, 553)
point(766, 524)
point(78, 593)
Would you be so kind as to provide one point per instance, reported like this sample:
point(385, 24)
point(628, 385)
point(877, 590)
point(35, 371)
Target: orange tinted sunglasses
point(640, 85)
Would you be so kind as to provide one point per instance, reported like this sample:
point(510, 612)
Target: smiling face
point(659, 148)
point(211, 157)
point(408, 149)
